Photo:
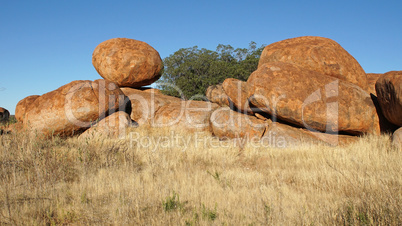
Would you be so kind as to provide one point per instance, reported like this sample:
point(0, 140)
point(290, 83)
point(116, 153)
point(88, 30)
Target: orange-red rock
point(127, 62)
point(237, 91)
point(216, 94)
point(322, 55)
point(311, 100)
point(73, 107)
point(185, 115)
point(22, 107)
point(113, 126)
point(145, 104)
point(4, 115)
point(283, 136)
point(389, 93)
point(227, 123)
point(371, 80)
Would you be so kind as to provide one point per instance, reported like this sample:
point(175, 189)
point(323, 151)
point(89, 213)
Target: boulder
point(113, 126)
point(311, 100)
point(22, 107)
point(72, 108)
point(318, 54)
point(397, 138)
point(4, 115)
point(389, 93)
point(226, 123)
point(127, 62)
point(192, 116)
point(237, 91)
point(216, 94)
point(145, 104)
point(283, 136)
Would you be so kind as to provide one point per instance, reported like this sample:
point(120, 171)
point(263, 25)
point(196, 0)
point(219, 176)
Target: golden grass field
point(123, 182)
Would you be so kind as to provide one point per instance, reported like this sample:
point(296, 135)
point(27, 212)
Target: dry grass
point(122, 182)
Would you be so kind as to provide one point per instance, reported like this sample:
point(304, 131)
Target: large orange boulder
point(389, 94)
point(237, 91)
point(216, 94)
point(127, 62)
point(311, 100)
point(145, 104)
point(192, 116)
point(73, 107)
point(22, 107)
point(318, 54)
point(227, 123)
point(4, 115)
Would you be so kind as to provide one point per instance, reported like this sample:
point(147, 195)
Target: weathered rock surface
point(237, 91)
point(311, 100)
point(389, 93)
point(22, 107)
point(371, 80)
point(283, 136)
point(127, 62)
point(216, 94)
point(185, 115)
point(227, 123)
point(145, 104)
point(73, 107)
point(322, 55)
point(4, 115)
point(113, 126)
point(397, 138)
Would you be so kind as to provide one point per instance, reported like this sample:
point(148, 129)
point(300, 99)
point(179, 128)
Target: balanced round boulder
point(73, 107)
point(4, 115)
point(322, 55)
point(127, 62)
point(22, 107)
point(389, 94)
point(311, 100)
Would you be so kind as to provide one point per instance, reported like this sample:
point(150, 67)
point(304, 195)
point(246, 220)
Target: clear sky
point(46, 44)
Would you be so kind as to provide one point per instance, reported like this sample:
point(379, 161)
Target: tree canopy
point(190, 71)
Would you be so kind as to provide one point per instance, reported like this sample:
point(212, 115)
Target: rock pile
point(305, 89)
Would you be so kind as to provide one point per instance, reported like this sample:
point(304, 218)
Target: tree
point(190, 71)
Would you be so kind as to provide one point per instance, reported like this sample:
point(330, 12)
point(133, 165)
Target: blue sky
point(46, 44)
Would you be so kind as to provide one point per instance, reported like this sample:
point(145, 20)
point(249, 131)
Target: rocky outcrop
point(113, 126)
point(145, 104)
point(22, 107)
point(127, 62)
point(389, 93)
point(318, 54)
point(237, 91)
point(4, 115)
point(310, 99)
point(73, 107)
point(216, 94)
point(189, 116)
point(227, 123)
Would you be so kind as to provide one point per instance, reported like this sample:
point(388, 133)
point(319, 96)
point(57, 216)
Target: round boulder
point(127, 62)
point(389, 94)
point(22, 107)
point(322, 55)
